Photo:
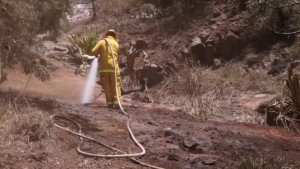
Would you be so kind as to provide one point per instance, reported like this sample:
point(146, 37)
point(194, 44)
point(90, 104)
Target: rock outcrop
point(207, 47)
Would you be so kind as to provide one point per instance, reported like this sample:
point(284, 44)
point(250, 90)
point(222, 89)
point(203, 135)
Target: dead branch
point(284, 33)
point(248, 3)
point(238, 25)
point(94, 9)
point(280, 7)
point(145, 57)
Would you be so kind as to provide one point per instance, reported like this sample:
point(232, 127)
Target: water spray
point(90, 83)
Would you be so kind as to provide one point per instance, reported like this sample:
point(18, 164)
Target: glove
point(88, 57)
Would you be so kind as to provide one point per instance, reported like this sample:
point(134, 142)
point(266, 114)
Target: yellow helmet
point(111, 31)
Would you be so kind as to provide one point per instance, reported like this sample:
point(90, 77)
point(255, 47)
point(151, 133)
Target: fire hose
point(81, 135)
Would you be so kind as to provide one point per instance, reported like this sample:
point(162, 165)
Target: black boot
point(116, 106)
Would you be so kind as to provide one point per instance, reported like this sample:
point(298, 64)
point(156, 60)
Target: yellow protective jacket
point(106, 59)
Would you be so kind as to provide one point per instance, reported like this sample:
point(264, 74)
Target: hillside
point(212, 69)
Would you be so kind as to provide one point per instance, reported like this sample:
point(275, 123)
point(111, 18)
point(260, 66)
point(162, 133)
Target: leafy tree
point(20, 22)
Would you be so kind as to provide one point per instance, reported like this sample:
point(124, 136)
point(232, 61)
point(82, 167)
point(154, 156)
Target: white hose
point(128, 124)
point(123, 155)
point(79, 133)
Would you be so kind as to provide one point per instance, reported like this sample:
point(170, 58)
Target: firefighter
point(107, 69)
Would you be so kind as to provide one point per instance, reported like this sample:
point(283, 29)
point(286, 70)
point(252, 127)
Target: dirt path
point(64, 84)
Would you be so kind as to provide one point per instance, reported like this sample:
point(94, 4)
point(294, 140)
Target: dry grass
point(214, 94)
point(24, 127)
point(114, 7)
point(241, 79)
point(263, 163)
point(26, 132)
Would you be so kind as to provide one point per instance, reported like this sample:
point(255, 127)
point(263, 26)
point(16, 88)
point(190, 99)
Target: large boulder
point(201, 52)
point(151, 72)
point(207, 47)
point(228, 47)
point(209, 55)
point(196, 42)
point(197, 48)
point(141, 44)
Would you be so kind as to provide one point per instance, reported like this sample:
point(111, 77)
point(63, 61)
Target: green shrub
point(148, 8)
point(89, 39)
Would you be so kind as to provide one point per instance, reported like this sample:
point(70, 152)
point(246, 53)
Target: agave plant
point(88, 41)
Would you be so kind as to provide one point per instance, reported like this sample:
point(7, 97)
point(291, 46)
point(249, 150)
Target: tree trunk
point(94, 9)
point(243, 5)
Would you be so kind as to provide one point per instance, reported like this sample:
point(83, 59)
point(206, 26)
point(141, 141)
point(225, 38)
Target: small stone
point(198, 165)
point(59, 48)
point(169, 141)
point(209, 162)
point(152, 53)
point(217, 64)
point(152, 123)
point(198, 150)
point(168, 131)
point(190, 143)
point(173, 157)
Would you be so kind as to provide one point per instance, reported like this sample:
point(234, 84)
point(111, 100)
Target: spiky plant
point(88, 41)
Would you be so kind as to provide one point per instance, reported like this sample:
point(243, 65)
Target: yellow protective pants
point(108, 83)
